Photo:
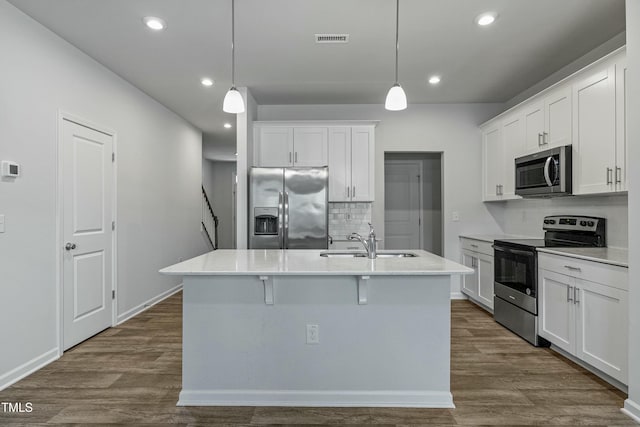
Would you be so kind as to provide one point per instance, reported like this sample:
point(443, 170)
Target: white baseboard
point(148, 304)
point(632, 410)
point(28, 368)
point(403, 399)
point(458, 295)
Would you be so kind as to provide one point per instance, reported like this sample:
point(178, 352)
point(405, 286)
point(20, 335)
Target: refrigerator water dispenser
point(265, 221)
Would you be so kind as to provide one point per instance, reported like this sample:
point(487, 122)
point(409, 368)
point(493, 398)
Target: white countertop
point(309, 262)
point(613, 256)
point(491, 237)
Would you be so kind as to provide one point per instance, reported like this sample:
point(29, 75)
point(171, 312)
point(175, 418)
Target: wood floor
point(131, 375)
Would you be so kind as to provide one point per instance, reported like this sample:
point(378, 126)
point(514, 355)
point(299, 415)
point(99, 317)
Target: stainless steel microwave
point(544, 174)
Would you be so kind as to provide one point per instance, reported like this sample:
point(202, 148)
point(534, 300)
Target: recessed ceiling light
point(227, 125)
point(154, 23)
point(487, 18)
point(434, 80)
point(206, 82)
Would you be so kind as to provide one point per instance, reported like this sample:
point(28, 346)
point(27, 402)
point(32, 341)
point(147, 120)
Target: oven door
point(515, 276)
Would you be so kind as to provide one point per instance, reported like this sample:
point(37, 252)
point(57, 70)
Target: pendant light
point(233, 102)
point(396, 98)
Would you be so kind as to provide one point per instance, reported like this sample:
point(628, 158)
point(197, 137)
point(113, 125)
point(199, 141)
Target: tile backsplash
point(347, 218)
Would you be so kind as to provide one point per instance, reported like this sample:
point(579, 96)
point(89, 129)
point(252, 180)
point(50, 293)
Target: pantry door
point(87, 180)
point(402, 204)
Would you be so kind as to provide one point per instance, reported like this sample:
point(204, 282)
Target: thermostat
point(10, 169)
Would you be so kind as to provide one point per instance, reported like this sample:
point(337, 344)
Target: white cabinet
point(478, 286)
point(502, 141)
point(585, 318)
point(288, 146)
point(599, 114)
point(351, 164)
point(547, 120)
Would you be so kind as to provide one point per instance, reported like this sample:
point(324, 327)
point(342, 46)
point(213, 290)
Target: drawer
point(477, 246)
point(606, 274)
point(346, 245)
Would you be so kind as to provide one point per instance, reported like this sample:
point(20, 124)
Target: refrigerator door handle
point(286, 221)
point(280, 219)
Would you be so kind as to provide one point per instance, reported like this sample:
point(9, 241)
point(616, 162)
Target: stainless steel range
point(516, 270)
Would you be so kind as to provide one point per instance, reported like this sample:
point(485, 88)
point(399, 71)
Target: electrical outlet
point(313, 334)
point(455, 216)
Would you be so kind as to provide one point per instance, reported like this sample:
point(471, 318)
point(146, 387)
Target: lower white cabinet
point(587, 319)
point(478, 286)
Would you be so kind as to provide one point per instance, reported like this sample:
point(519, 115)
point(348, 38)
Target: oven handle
point(513, 251)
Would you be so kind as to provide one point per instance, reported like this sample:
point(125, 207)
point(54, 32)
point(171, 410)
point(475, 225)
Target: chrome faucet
point(369, 244)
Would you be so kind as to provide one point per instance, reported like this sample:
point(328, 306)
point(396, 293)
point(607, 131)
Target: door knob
point(70, 246)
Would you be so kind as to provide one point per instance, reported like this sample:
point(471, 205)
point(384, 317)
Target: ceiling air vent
point(332, 38)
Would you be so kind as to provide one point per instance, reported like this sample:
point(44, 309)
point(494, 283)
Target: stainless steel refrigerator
point(288, 208)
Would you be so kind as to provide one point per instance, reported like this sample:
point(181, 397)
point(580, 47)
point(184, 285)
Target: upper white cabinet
point(584, 311)
point(586, 110)
point(351, 164)
point(547, 121)
point(502, 141)
point(289, 146)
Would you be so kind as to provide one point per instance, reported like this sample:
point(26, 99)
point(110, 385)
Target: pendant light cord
point(397, 45)
point(233, 51)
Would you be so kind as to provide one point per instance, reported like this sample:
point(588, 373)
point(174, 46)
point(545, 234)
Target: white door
point(493, 163)
point(534, 126)
point(557, 108)
point(602, 327)
point(339, 164)
point(485, 279)
point(470, 281)
point(275, 147)
point(594, 111)
point(556, 320)
point(87, 172)
point(513, 140)
point(362, 155)
point(402, 204)
point(309, 147)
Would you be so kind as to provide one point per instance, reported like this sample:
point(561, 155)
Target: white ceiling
point(277, 58)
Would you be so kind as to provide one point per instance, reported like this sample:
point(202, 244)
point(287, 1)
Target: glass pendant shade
point(233, 102)
point(396, 99)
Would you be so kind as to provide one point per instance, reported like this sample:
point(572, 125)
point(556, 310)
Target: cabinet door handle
point(609, 179)
point(296, 157)
point(539, 139)
point(570, 267)
point(569, 288)
point(289, 156)
point(576, 293)
point(501, 190)
point(618, 175)
point(348, 192)
point(353, 193)
point(545, 139)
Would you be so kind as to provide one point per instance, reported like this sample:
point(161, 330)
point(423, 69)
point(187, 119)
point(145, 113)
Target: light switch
point(455, 216)
point(1, 223)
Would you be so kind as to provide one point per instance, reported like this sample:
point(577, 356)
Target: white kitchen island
point(383, 329)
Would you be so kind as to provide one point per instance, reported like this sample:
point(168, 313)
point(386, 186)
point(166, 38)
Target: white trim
point(62, 116)
point(632, 410)
point(148, 304)
point(352, 398)
point(458, 295)
point(28, 368)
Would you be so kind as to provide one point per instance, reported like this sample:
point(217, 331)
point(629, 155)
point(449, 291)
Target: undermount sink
point(364, 254)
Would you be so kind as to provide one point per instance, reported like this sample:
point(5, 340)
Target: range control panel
point(574, 223)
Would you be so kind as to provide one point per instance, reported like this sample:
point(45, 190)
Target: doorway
point(413, 201)
point(86, 194)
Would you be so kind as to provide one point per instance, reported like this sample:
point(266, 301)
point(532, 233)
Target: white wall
point(158, 172)
point(244, 147)
point(632, 404)
point(448, 128)
point(525, 216)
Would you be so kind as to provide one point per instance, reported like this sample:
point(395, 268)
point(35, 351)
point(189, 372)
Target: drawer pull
point(573, 268)
point(474, 246)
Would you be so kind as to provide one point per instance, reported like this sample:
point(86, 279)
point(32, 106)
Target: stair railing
point(209, 221)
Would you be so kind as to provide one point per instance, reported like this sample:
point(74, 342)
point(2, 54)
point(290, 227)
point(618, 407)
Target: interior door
point(402, 204)
point(87, 171)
